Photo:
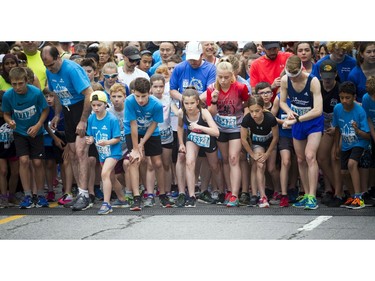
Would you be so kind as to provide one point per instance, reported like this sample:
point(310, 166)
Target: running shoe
point(98, 193)
point(227, 197)
point(311, 203)
point(276, 197)
point(181, 200)
point(137, 204)
point(27, 203)
point(284, 201)
point(191, 202)
point(82, 203)
point(233, 202)
point(356, 204)
point(165, 202)
point(302, 202)
point(263, 202)
point(244, 199)
point(205, 197)
point(347, 203)
point(42, 202)
point(66, 198)
point(105, 209)
point(253, 201)
point(149, 202)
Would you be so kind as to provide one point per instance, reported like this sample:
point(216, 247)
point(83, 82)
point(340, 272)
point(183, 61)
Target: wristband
point(297, 118)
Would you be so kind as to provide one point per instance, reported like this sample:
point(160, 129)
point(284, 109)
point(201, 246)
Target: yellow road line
point(12, 218)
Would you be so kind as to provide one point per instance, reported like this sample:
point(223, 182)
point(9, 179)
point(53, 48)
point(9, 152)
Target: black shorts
point(152, 146)
point(225, 137)
point(119, 169)
point(25, 145)
point(355, 154)
point(53, 152)
point(93, 151)
point(285, 143)
point(72, 116)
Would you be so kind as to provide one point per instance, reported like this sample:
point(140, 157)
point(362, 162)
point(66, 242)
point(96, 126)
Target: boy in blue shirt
point(349, 120)
point(104, 130)
point(25, 110)
point(143, 112)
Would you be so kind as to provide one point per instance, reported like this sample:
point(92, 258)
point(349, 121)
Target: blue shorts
point(302, 130)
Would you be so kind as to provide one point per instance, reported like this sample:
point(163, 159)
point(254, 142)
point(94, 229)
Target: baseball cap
point(270, 44)
point(98, 95)
point(132, 53)
point(193, 50)
point(328, 69)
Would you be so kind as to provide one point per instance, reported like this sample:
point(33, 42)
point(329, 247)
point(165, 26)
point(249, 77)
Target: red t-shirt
point(265, 70)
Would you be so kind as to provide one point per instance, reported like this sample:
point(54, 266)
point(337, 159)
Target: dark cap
point(271, 44)
point(328, 69)
point(132, 53)
point(146, 52)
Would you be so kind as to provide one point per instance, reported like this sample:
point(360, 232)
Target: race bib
point(202, 140)
point(226, 121)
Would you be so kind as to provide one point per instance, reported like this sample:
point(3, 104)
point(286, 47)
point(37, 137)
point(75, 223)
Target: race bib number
point(166, 134)
point(201, 140)
point(226, 121)
point(300, 110)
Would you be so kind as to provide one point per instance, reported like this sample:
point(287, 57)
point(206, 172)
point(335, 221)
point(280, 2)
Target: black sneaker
point(253, 201)
point(244, 199)
point(82, 203)
point(336, 202)
point(197, 191)
point(181, 200)
point(71, 203)
point(220, 198)
point(137, 204)
point(205, 197)
point(191, 202)
point(327, 197)
point(369, 202)
point(165, 202)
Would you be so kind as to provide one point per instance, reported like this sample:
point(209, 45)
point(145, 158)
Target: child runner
point(264, 135)
point(350, 119)
point(202, 132)
point(142, 115)
point(225, 102)
point(103, 129)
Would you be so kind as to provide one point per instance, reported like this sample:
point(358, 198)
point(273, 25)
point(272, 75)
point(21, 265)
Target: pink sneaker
point(263, 202)
point(276, 197)
point(50, 196)
point(66, 198)
point(284, 202)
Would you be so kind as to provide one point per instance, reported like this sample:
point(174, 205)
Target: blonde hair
point(224, 66)
point(345, 45)
point(117, 87)
point(293, 65)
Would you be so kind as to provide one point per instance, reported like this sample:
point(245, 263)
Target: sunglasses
point(107, 76)
point(133, 61)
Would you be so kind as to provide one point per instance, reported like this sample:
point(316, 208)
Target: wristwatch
point(297, 118)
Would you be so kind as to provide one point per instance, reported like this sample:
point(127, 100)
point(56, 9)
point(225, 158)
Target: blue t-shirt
point(25, 109)
point(105, 129)
point(357, 76)
point(343, 68)
point(145, 115)
point(60, 126)
point(368, 105)
point(69, 82)
point(343, 119)
point(184, 75)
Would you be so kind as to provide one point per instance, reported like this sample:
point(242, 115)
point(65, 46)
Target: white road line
point(313, 224)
